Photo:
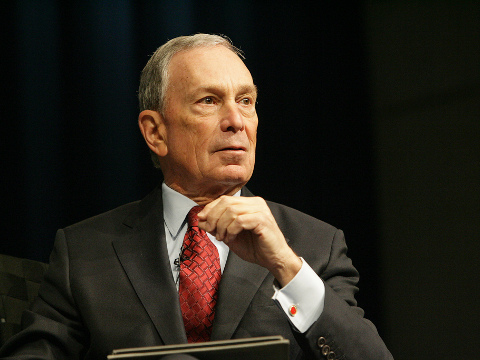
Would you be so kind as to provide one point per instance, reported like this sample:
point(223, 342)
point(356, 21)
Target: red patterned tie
point(200, 274)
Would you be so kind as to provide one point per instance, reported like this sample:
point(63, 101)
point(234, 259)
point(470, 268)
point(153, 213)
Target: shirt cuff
point(302, 299)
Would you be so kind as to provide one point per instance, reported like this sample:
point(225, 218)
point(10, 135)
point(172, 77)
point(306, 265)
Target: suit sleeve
point(53, 328)
point(341, 331)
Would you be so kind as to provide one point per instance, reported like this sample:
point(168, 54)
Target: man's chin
point(234, 175)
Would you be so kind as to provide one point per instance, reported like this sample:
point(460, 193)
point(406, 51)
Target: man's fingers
point(217, 215)
point(228, 228)
point(217, 221)
point(244, 222)
point(227, 216)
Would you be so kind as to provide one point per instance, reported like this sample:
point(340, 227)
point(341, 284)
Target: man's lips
point(232, 148)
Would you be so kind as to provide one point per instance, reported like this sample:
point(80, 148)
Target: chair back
point(19, 283)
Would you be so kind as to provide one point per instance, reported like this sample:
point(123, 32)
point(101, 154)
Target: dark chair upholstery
point(19, 283)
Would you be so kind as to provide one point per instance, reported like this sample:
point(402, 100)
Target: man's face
point(210, 121)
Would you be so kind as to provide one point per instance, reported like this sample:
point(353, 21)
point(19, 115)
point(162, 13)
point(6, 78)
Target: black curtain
point(70, 144)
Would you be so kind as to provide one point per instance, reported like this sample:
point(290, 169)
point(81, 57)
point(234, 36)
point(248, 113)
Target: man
point(115, 280)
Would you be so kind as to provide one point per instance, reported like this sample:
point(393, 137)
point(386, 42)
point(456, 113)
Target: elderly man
point(200, 258)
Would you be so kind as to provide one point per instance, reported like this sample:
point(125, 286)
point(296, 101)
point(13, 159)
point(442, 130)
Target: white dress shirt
point(302, 299)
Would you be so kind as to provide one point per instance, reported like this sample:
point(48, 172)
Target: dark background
point(369, 119)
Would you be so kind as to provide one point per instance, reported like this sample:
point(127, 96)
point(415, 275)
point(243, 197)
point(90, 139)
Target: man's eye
point(246, 101)
point(207, 100)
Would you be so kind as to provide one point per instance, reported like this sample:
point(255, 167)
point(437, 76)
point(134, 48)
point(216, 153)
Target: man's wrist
point(287, 269)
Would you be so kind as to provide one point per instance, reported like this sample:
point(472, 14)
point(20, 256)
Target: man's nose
point(232, 118)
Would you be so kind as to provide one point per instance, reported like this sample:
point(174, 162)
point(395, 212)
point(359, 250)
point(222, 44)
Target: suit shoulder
point(121, 218)
point(105, 221)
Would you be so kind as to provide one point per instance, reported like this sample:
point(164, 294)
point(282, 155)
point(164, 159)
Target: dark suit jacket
point(109, 285)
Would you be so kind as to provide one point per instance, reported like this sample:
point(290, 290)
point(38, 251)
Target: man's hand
point(248, 227)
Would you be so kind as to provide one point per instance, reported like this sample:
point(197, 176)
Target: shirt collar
point(175, 208)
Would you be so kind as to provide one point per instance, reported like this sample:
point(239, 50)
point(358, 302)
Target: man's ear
point(153, 130)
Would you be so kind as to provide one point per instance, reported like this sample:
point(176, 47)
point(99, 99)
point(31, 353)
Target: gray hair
point(154, 77)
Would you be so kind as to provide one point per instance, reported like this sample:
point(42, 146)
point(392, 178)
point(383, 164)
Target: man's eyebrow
point(243, 89)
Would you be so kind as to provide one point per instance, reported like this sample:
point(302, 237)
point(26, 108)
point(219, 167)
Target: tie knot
point(192, 217)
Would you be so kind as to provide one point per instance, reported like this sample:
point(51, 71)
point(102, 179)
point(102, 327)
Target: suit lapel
point(240, 281)
point(144, 258)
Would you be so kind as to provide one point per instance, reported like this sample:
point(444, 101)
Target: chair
point(19, 283)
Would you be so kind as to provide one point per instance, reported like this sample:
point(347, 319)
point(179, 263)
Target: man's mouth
point(233, 148)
